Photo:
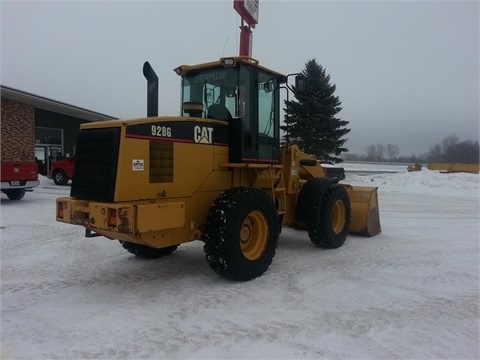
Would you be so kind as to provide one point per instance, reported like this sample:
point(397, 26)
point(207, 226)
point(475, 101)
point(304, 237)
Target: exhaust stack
point(152, 89)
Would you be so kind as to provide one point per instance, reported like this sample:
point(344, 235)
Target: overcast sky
point(407, 72)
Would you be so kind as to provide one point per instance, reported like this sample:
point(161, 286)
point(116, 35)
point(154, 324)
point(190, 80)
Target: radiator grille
point(96, 164)
point(161, 162)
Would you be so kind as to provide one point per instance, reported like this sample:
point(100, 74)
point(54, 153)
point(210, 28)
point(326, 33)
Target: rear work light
point(228, 62)
point(112, 217)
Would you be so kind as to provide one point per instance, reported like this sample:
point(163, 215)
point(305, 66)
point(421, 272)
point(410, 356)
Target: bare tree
point(371, 151)
point(436, 153)
point(380, 152)
point(451, 150)
point(375, 152)
point(449, 145)
point(393, 151)
point(468, 151)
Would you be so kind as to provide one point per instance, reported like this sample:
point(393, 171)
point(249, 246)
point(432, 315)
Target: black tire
point(147, 252)
point(332, 228)
point(15, 194)
point(241, 233)
point(60, 178)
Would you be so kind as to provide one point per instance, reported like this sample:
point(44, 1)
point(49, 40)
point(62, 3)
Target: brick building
point(50, 126)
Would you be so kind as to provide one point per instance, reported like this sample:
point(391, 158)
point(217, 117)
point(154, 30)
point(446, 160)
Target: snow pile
point(421, 182)
point(411, 292)
point(373, 167)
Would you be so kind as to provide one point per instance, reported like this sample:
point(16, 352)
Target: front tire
point(241, 233)
point(15, 194)
point(147, 252)
point(332, 228)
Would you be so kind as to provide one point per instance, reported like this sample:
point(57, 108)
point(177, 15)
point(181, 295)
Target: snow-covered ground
point(361, 167)
point(410, 293)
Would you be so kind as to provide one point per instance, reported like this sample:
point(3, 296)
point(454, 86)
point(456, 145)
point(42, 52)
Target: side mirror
point(268, 86)
point(300, 84)
point(231, 92)
point(210, 94)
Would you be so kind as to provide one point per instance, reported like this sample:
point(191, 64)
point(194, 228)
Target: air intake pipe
point(152, 89)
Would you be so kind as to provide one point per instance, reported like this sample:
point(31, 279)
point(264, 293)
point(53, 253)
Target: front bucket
point(365, 219)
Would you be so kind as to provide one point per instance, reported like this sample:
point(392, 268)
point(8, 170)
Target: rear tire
point(332, 228)
point(241, 233)
point(59, 177)
point(147, 252)
point(15, 194)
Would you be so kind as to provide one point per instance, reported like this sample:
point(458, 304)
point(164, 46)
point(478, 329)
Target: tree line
point(449, 150)
point(452, 150)
point(311, 122)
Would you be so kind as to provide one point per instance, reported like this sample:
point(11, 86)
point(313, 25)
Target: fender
point(309, 200)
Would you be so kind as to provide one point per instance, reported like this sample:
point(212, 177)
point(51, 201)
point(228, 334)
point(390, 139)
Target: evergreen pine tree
point(310, 121)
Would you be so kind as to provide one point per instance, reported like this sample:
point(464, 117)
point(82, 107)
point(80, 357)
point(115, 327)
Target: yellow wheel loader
point(218, 173)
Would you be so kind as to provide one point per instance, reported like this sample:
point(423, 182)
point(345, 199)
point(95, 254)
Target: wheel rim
point(59, 177)
point(338, 216)
point(253, 235)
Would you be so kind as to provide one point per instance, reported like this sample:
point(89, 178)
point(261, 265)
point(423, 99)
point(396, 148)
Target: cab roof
point(227, 62)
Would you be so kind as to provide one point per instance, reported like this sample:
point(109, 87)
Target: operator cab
point(239, 91)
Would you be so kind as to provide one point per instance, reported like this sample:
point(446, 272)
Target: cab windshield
point(214, 90)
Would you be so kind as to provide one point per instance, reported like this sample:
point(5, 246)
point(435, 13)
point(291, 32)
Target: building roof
point(44, 103)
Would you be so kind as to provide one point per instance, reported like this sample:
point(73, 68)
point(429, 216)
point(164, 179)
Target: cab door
point(256, 131)
point(268, 122)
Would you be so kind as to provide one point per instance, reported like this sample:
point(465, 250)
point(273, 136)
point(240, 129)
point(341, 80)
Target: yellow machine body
point(173, 213)
point(161, 175)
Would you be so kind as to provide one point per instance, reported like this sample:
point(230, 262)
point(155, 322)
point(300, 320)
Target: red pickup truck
point(18, 177)
point(62, 171)
point(333, 171)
